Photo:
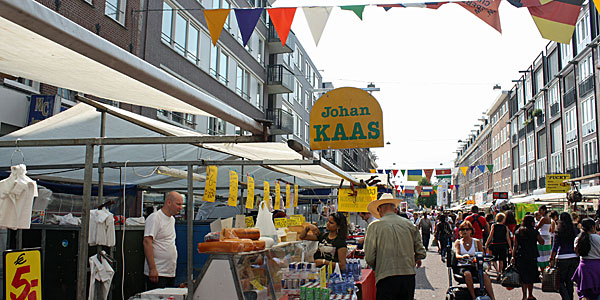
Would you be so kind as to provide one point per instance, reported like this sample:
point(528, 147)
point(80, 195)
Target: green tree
point(424, 182)
point(427, 201)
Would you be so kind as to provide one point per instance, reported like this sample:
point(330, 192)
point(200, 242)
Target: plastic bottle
point(292, 282)
point(349, 284)
point(301, 274)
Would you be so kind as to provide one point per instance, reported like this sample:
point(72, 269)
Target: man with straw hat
point(393, 248)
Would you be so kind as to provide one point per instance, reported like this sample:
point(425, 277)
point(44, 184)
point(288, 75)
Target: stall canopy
point(550, 197)
point(83, 121)
point(41, 45)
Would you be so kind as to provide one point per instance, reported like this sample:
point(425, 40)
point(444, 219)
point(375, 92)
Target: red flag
point(419, 189)
point(487, 11)
point(282, 19)
point(428, 173)
point(395, 172)
point(439, 172)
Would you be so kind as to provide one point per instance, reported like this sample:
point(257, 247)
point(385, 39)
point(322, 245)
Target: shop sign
point(554, 183)
point(500, 195)
point(356, 200)
point(41, 107)
point(280, 222)
point(346, 118)
point(23, 274)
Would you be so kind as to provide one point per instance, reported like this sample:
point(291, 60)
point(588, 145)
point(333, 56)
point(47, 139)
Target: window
point(588, 116)
point(523, 174)
point(297, 124)
point(178, 31)
point(552, 62)
point(259, 91)
point(261, 51)
point(582, 32)
point(216, 126)
point(522, 158)
point(538, 80)
point(223, 4)
point(167, 20)
point(569, 82)
point(585, 68)
point(528, 94)
point(540, 104)
point(299, 60)
point(306, 132)
point(571, 161)
point(242, 83)
point(307, 101)
point(531, 172)
point(219, 62)
point(515, 177)
point(553, 94)
point(556, 143)
point(590, 152)
point(115, 9)
point(177, 117)
point(519, 92)
point(541, 167)
point(192, 44)
point(298, 92)
point(570, 125)
point(541, 144)
point(530, 148)
point(566, 51)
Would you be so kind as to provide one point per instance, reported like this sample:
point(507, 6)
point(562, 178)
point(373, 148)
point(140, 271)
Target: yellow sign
point(295, 195)
point(296, 220)
point(357, 200)
point(266, 193)
point(469, 202)
point(210, 188)
point(554, 183)
point(249, 222)
point(346, 118)
point(250, 197)
point(233, 188)
point(277, 196)
point(257, 284)
point(23, 275)
point(280, 222)
point(288, 198)
point(323, 275)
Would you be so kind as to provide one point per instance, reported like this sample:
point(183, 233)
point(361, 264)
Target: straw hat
point(384, 199)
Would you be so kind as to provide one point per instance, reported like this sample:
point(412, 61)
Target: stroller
point(461, 292)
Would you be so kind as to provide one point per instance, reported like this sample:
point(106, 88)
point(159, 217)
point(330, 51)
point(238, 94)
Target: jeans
point(425, 236)
point(566, 268)
point(163, 282)
point(399, 287)
point(443, 245)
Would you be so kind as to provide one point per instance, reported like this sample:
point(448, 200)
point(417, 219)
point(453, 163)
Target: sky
point(435, 69)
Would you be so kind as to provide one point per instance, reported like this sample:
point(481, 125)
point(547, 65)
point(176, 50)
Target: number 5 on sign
point(23, 275)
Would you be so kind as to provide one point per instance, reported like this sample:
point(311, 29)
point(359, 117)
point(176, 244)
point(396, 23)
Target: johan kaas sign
point(346, 118)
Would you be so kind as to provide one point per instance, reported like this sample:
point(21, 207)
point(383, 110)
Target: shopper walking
point(525, 253)
point(563, 254)
point(443, 233)
point(545, 248)
point(393, 248)
point(478, 223)
point(425, 226)
point(499, 242)
point(587, 275)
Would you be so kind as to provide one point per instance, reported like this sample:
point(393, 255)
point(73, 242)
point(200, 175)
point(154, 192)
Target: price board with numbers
point(23, 274)
point(296, 220)
point(280, 222)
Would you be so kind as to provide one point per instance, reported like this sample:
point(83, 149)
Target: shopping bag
point(264, 222)
point(510, 277)
point(551, 280)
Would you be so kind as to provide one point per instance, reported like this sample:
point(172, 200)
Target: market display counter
point(366, 285)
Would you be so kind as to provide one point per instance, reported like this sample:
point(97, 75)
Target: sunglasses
point(464, 229)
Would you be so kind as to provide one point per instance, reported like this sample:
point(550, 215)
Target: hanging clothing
point(16, 199)
point(100, 270)
point(102, 228)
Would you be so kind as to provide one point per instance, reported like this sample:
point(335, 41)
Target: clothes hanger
point(17, 150)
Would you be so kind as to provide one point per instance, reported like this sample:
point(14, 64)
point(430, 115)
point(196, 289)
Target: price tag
point(323, 273)
point(257, 284)
point(249, 222)
point(210, 189)
point(296, 220)
point(233, 189)
point(23, 274)
point(330, 268)
point(250, 197)
point(280, 222)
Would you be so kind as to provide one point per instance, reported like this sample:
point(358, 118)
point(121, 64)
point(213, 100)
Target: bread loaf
point(228, 246)
point(259, 245)
point(247, 233)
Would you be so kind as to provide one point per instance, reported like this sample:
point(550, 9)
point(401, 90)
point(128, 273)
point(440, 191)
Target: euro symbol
point(20, 260)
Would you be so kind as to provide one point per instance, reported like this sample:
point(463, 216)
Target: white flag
point(316, 17)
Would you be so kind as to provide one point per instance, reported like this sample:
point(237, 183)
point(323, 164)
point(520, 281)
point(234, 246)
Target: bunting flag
point(282, 19)
point(419, 189)
point(394, 172)
point(413, 175)
point(428, 173)
point(425, 193)
point(472, 168)
point(388, 171)
point(481, 168)
point(487, 11)
point(555, 19)
point(490, 167)
point(357, 9)
point(442, 172)
point(247, 19)
point(402, 171)
point(372, 170)
point(402, 188)
point(435, 188)
point(456, 186)
point(451, 186)
point(379, 171)
point(428, 188)
point(431, 5)
point(464, 170)
point(317, 17)
point(215, 19)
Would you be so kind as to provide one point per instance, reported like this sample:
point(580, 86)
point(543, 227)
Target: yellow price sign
point(250, 197)
point(295, 195)
point(210, 188)
point(554, 183)
point(257, 284)
point(233, 189)
point(296, 220)
point(23, 274)
point(357, 200)
point(267, 192)
point(288, 199)
point(277, 196)
point(323, 276)
point(249, 222)
point(280, 222)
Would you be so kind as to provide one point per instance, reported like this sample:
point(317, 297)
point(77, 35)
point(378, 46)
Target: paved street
point(432, 282)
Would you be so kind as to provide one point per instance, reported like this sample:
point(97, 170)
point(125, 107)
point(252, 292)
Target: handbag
point(510, 277)
point(551, 280)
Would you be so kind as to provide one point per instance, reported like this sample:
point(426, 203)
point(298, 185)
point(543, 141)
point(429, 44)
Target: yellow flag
point(215, 19)
point(277, 195)
point(233, 188)
point(266, 194)
point(210, 188)
point(288, 198)
point(295, 195)
point(250, 197)
point(464, 170)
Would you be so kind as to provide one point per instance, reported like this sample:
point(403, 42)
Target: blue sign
point(40, 107)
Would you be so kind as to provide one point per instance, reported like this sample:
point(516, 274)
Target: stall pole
point(190, 229)
point(99, 200)
point(82, 258)
point(242, 202)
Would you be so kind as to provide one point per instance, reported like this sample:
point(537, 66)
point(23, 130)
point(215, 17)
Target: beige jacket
point(392, 245)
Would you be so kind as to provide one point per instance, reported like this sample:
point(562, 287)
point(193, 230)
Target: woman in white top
point(587, 275)
point(465, 248)
point(543, 226)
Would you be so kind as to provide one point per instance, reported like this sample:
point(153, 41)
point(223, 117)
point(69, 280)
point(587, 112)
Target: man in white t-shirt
point(159, 244)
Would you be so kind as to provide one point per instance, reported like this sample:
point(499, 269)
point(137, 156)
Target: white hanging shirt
point(102, 228)
point(162, 230)
point(100, 271)
point(16, 199)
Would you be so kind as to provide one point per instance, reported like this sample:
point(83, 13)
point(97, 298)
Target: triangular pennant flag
point(556, 20)
point(464, 170)
point(472, 167)
point(456, 186)
point(388, 171)
point(372, 170)
point(481, 168)
point(435, 188)
point(419, 189)
point(282, 19)
point(247, 19)
point(402, 171)
point(394, 172)
point(451, 186)
point(428, 173)
point(487, 11)
point(317, 17)
point(357, 9)
point(402, 188)
point(490, 167)
point(215, 19)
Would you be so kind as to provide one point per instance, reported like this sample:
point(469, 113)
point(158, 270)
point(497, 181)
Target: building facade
point(501, 150)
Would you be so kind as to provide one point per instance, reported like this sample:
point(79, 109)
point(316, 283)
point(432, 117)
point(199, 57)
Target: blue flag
point(247, 19)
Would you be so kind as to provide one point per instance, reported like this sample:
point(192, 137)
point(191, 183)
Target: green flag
point(491, 168)
point(403, 171)
point(357, 9)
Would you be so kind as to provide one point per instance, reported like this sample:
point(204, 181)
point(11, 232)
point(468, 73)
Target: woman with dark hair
point(525, 255)
point(499, 242)
point(563, 251)
point(545, 248)
point(554, 220)
point(443, 233)
point(587, 275)
point(332, 243)
point(511, 221)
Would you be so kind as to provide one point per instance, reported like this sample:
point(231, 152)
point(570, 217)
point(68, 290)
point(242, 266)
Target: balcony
point(574, 172)
point(570, 136)
point(590, 168)
point(586, 86)
point(514, 139)
point(554, 109)
point(280, 80)
point(283, 121)
point(532, 185)
point(569, 97)
point(274, 42)
point(589, 127)
point(540, 120)
point(521, 132)
point(530, 127)
point(542, 182)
